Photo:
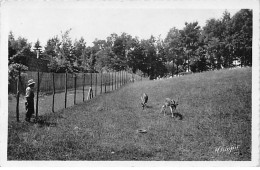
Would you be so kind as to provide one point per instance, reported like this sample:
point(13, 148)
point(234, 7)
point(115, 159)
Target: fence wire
point(61, 90)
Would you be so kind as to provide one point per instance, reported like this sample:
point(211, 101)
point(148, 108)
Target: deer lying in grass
point(144, 99)
point(169, 103)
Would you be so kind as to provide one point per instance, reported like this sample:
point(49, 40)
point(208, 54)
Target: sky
point(43, 20)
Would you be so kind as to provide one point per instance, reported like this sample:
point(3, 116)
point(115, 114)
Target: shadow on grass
point(146, 107)
point(178, 115)
point(149, 107)
point(43, 121)
point(175, 115)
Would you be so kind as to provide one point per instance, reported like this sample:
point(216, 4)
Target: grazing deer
point(169, 103)
point(144, 99)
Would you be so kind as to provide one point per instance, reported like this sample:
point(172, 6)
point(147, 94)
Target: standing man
point(29, 104)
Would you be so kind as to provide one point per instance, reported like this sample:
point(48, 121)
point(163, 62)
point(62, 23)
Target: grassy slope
point(45, 101)
point(216, 110)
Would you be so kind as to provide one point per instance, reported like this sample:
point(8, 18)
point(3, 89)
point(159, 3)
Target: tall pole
point(37, 49)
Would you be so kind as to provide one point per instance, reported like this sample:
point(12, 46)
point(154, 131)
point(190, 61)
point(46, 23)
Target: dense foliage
point(221, 43)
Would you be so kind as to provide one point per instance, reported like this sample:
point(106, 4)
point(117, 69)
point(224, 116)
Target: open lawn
point(215, 108)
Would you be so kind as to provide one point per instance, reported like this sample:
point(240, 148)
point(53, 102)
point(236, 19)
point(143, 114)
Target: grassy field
point(45, 101)
point(215, 108)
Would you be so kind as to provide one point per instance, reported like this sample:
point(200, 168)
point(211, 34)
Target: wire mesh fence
point(56, 91)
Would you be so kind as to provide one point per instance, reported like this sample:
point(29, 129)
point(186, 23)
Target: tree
point(214, 33)
point(218, 44)
point(18, 56)
point(137, 57)
point(189, 36)
point(51, 51)
point(153, 55)
point(174, 49)
point(100, 54)
point(19, 50)
point(63, 54)
point(241, 31)
point(227, 41)
point(105, 60)
point(81, 55)
point(121, 47)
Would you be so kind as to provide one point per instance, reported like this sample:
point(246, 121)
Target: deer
point(144, 99)
point(169, 103)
